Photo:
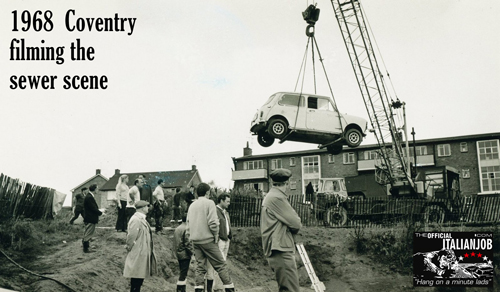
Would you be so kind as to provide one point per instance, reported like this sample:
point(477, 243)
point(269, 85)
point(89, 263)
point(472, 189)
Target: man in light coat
point(140, 262)
point(278, 223)
point(203, 229)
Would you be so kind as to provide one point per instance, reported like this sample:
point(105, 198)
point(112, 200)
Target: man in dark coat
point(78, 205)
point(189, 197)
point(91, 217)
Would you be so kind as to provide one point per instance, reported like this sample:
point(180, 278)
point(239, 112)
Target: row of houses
point(474, 157)
point(107, 187)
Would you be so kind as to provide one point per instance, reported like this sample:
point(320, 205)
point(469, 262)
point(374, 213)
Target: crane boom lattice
point(391, 166)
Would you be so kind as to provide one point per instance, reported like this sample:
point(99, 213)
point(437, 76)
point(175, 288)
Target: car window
point(289, 99)
point(324, 104)
point(319, 103)
point(270, 98)
point(312, 102)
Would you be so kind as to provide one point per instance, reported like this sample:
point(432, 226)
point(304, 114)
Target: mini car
point(306, 118)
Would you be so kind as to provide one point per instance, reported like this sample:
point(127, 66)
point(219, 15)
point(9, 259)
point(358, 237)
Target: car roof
point(302, 93)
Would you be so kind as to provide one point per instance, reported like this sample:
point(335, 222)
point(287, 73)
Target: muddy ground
point(331, 251)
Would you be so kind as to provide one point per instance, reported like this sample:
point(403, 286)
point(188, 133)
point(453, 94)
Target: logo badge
point(453, 259)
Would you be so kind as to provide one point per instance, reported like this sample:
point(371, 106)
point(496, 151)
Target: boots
point(86, 247)
point(199, 290)
point(181, 288)
point(229, 289)
point(210, 284)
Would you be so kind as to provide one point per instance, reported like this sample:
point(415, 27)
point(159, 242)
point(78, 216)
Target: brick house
point(97, 179)
point(475, 157)
point(172, 180)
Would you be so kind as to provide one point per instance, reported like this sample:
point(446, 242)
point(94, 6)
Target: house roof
point(374, 146)
point(97, 175)
point(171, 179)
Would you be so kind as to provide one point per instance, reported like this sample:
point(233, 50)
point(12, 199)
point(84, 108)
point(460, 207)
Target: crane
point(391, 168)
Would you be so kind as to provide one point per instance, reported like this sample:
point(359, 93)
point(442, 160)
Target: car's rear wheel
point(278, 128)
point(264, 139)
point(334, 149)
point(353, 137)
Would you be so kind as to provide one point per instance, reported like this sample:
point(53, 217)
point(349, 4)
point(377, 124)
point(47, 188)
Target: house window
point(370, 155)
point(276, 163)
point(293, 184)
point(444, 150)
point(490, 177)
point(465, 173)
point(421, 150)
point(464, 147)
point(292, 161)
point(256, 164)
point(488, 150)
point(349, 158)
point(331, 158)
point(310, 164)
point(254, 187)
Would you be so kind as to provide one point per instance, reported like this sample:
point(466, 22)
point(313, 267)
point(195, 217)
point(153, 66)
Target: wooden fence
point(20, 199)
point(375, 212)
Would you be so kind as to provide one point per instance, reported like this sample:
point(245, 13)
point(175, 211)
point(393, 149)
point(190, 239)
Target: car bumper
point(257, 127)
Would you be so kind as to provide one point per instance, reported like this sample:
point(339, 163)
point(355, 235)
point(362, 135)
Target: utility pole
point(414, 172)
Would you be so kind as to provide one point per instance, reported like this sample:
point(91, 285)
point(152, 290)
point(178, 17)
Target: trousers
point(285, 269)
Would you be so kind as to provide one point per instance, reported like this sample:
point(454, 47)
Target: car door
point(321, 116)
point(293, 110)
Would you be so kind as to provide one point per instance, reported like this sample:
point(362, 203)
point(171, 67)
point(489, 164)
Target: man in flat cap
point(141, 261)
point(278, 223)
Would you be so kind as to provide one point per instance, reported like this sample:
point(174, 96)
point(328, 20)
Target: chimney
point(97, 171)
point(247, 151)
point(117, 171)
point(193, 167)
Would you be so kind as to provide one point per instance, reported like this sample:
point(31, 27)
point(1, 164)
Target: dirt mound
point(59, 255)
point(102, 270)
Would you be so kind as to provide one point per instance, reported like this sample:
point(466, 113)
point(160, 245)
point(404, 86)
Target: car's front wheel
point(277, 128)
point(264, 139)
point(353, 137)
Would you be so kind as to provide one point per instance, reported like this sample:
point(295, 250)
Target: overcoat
point(141, 260)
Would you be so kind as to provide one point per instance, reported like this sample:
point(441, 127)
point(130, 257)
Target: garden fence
point(20, 199)
point(376, 212)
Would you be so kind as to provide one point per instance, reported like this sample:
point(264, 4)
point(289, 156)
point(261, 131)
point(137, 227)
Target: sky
point(184, 85)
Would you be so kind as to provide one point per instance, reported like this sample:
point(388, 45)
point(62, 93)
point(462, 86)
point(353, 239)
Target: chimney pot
point(247, 151)
point(97, 171)
point(193, 167)
point(117, 171)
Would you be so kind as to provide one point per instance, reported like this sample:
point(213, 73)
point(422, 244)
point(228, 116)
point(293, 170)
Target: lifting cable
point(35, 274)
point(311, 15)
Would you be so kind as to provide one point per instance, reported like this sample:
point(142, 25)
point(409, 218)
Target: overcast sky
point(184, 86)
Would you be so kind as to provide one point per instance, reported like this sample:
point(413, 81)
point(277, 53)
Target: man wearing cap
point(278, 223)
point(203, 230)
point(141, 261)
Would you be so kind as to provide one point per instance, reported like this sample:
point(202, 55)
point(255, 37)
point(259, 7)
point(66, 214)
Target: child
point(183, 250)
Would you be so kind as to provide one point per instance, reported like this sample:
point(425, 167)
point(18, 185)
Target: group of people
point(205, 232)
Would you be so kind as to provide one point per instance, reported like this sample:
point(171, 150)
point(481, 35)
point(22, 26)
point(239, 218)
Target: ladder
point(316, 283)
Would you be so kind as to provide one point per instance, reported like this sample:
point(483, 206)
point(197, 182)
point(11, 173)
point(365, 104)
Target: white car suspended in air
point(308, 118)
